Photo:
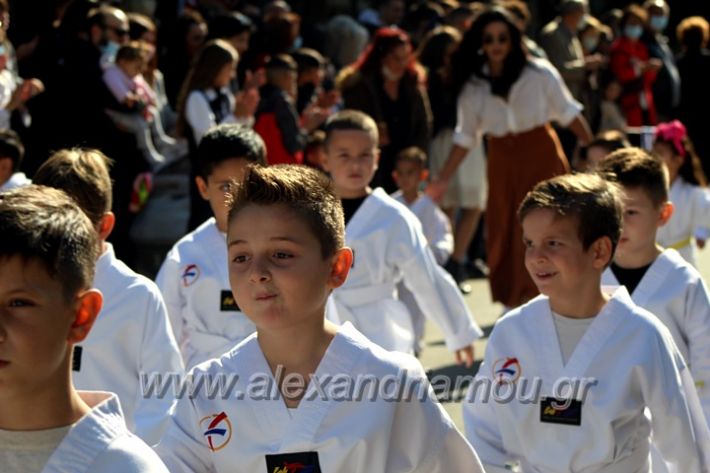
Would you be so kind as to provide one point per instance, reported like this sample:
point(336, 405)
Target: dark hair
point(11, 147)
point(130, 52)
point(518, 8)
point(693, 33)
point(383, 43)
point(469, 60)
point(350, 120)
point(636, 168)
point(83, 174)
point(305, 191)
point(308, 59)
point(279, 32)
point(432, 51)
point(594, 201)
point(610, 140)
point(281, 62)
point(44, 224)
point(633, 11)
point(207, 65)
point(228, 141)
point(229, 24)
point(138, 25)
point(413, 154)
point(692, 168)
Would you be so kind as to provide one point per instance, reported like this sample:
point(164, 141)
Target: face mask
point(590, 43)
point(388, 74)
point(633, 31)
point(658, 23)
point(110, 49)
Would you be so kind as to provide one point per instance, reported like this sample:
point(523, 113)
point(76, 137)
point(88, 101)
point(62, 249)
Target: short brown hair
point(301, 189)
point(631, 11)
point(44, 224)
point(594, 201)
point(412, 154)
point(636, 168)
point(351, 120)
point(83, 174)
point(130, 52)
point(693, 32)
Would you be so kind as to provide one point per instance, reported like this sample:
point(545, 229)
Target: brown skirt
point(516, 162)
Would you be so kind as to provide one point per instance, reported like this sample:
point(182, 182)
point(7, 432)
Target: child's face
point(641, 221)
point(594, 156)
point(241, 42)
point(226, 74)
point(672, 159)
point(612, 91)
point(277, 271)
point(555, 257)
point(215, 189)
point(351, 159)
point(408, 175)
point(37, 327)
point(131, 68)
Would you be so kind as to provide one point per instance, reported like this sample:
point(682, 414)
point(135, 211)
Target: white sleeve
point(697, 330)
point(468, 124)
point(439, 234)
point(434, 290)
point(562, 106)
point(199, 114)
point(456, 455)
point(182, 448)
point(159, 355)
point(168, 280)
point(701, 207)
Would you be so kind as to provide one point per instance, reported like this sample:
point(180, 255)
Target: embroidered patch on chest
point(560, 411)
point(299, 462)
point(227, 302)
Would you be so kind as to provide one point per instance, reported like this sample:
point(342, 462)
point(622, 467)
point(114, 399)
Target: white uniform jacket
point(389, 248)
point(625, 362)
point(131, 335)
point(435, 224)
point(328, 432)
point(100, 443)
point(194, 280)
point(691, 210)
point(674, 291)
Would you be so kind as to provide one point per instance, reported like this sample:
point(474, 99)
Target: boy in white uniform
point(132, 336)
point(193, 278)
point(409, 172)
point(389, 248)
point(48, 249)
point(572, 371)
point(660, 281)
point(286, 254)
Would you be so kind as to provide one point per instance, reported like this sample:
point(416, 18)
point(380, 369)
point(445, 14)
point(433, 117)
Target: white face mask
point(110, 49)
point(388, 74)
point(590, 43)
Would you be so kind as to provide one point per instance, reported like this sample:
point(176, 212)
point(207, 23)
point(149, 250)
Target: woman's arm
point(581, 130)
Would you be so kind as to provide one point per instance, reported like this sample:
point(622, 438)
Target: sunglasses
point(118, 31)
point(501, 39)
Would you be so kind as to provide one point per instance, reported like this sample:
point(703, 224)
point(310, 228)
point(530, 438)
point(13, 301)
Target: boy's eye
point(225, 187)
point(239, 259)
point(20, 303)
point(282, 255)
point(553, 243)
point(527, 243)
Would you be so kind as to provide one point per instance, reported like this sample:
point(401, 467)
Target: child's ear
point(341, 264)
point(666, 213)
point(106, 225)
point(202, 187)
point(602, 252)
point(88, 308)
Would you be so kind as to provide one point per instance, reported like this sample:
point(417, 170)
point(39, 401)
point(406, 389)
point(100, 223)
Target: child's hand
point(314, 116)
point(465, 355)
point(436, 189)
point(254, 80)
point(246, 102)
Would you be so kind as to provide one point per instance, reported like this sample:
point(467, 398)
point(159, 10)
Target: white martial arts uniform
point(691, 210)
point(674, 291)
point(389, 248)
point(18, 179)
point(99, 442)
point(366, 435)
point(131, 335)
point(437, 230)
point(627, 360)
point(194, 280)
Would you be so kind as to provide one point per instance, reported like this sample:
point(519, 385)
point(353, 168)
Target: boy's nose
point(260, 272)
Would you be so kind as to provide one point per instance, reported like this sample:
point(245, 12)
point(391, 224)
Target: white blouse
point(537, 97)
point(201, 117)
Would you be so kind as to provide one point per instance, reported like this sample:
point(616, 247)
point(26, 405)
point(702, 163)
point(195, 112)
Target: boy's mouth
point(265, 296)
point(543, 275)
point(4, 363)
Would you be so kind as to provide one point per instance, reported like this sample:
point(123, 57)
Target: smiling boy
point(286, 255)
point(617, 359)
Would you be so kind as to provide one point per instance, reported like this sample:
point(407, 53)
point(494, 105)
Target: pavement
point(438, 361)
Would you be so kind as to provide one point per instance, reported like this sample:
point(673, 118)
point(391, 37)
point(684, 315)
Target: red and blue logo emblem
point(217, 430)
point(190, 274)
point(506, 370)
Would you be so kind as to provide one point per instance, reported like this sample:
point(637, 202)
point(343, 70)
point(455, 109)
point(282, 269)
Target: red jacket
point(635, 84)
point(277, 122)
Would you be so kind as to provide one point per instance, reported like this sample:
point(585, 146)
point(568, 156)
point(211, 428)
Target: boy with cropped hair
point(659, 280)
point(48, 248)
point(390, 248)
point(206, 319)
point(598, 360)
point(286, 254)
point(132, 336)
point(11, 154)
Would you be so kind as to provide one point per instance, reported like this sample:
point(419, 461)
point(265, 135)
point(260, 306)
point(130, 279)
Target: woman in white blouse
point(511, 98)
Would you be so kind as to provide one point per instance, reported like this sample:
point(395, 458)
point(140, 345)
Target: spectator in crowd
point(382, 13)
point(521, 13)
point(603, 144)
point(512, 99)
point(462, 16)
point(591, 35)
point(611, 116)
point(387, 84)
point(181, 50)
point(311, 72)
point(694, 69)
point(420, 19)
point(635, 70)
point(11, 153)
point(235, 28)
point(345, 39)
point(666, 88)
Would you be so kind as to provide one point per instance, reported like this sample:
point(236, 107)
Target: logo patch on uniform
point(76, 358)
point(217, 430)
point(561, 411)
point(300, 462)
point(227, 301)
point(506, 370)
point(190, 274)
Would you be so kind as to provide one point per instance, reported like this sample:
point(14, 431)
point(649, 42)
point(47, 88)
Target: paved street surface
point(439, 361)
